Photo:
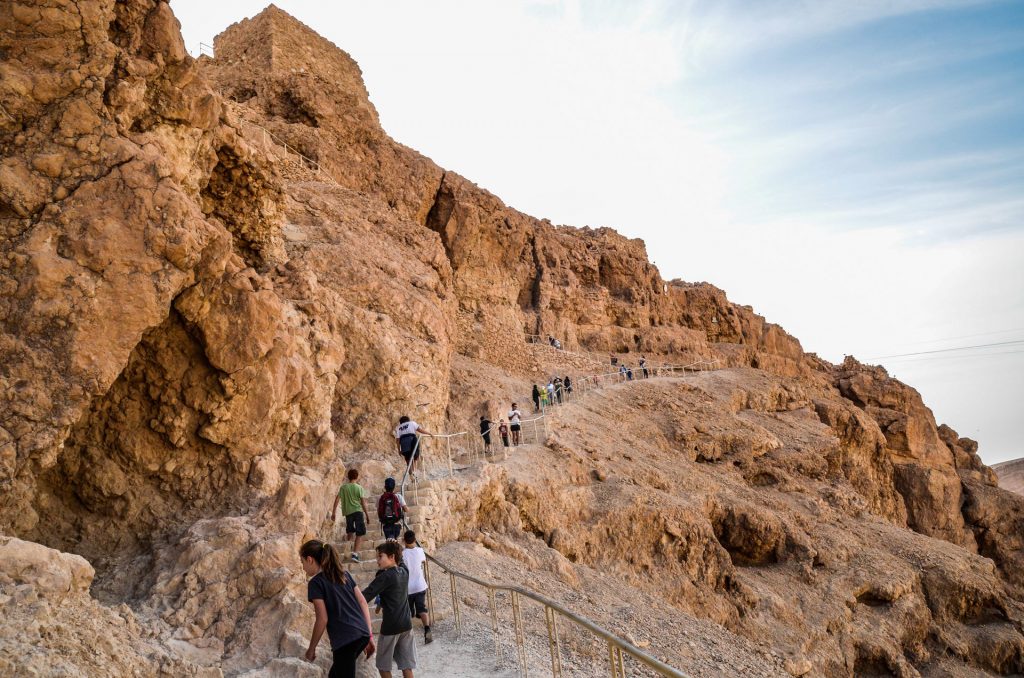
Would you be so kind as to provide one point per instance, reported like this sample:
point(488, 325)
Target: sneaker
point(355, 557)
point(428, 637)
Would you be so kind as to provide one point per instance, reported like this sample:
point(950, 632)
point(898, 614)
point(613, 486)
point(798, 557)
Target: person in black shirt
point(340, 608)
point(392, 585)
point(485, 432)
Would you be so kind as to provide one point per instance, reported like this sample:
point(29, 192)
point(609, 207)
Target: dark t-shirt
point(345, 620)
point(392, 585)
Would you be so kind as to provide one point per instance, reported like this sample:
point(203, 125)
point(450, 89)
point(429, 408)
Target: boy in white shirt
point(414, 559)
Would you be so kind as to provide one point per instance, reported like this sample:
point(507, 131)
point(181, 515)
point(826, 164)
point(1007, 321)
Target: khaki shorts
point(401, 647)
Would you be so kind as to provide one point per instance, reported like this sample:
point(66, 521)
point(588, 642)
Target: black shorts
point(354, 524)
point(392, 531)
point(407, 444)
point(418, 603)
point(515, 427)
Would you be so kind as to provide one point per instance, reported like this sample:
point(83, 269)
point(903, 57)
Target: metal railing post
point(556, 655)
point(517, 620)
point(430, 588)
point(494, 624)
point(451, 468)
point(616, 661)
point(455, 605)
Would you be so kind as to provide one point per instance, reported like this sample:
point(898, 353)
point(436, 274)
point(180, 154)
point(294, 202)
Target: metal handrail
point(616, 645)
point(268, 135)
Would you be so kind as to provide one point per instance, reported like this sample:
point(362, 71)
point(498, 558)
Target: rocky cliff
point(200, 329)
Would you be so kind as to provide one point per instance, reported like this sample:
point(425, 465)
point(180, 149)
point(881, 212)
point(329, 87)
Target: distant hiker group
point(556, 391)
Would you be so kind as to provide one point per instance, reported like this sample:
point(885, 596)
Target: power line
point(904, 362)
point(966, 336)
point(947, 350)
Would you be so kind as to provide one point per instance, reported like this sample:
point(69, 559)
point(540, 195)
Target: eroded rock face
point(199, 330)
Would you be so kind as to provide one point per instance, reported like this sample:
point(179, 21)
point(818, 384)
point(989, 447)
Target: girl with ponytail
point(340, 609)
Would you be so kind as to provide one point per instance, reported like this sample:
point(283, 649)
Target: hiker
point(622, 371)
point(415, 560)
point(543, 398)
point(395, 643)
point(567, 384)
point(558, 345)
point(643, 365)
point(514, 417)
point(503, 432)
point(352, 497)
point(390, 509)
point(558, 388)
point(551, 340)
point(340, 609)
point(551, 392)
point(536, 398)
point(407, 435)
point(629, 373)
point(485, 432)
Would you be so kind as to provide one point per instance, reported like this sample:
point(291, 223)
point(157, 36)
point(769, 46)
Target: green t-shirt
point(350, 494)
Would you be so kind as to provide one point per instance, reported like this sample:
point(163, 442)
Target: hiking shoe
point(355, 557)
point(428, 638)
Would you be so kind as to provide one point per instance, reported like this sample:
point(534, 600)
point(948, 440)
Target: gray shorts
point(401, 646)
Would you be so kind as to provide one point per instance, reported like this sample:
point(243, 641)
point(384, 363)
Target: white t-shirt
point(414, 559)
point(406, 428)
point(514, 416)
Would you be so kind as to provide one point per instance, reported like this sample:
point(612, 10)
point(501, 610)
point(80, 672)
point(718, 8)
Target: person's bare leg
point(355, 546)
point(406, 673)
point(384, 674)
point(425, 618)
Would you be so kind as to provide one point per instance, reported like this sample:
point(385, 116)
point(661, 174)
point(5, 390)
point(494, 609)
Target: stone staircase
point(421, 499)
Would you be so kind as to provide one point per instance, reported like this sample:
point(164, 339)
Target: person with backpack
point(514, 418)
point(352, 497)
point(415, 560)
point(567, 384)
point(643, 365)
point(395, 644)
point(551, 392)
point(340, 609)
point(407, 435)
point(503, 432)
point(390, 510)
point(558, 389)
point(536, 398)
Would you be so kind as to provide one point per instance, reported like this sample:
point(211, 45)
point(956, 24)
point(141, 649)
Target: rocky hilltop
point(223, 282)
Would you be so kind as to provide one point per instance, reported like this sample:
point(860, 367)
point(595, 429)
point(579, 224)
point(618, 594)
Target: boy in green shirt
point(351, 495)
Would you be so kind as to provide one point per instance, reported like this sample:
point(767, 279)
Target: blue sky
point(854, 169)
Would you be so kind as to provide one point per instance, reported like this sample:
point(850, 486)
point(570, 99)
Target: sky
point(853, 169)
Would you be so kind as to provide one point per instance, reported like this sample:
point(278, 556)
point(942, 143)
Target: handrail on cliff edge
point(617, 647)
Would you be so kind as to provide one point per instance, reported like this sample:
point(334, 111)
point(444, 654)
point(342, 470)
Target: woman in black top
point(536, 398)
point(340, 608)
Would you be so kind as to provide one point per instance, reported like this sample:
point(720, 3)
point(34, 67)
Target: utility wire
point(947, 350)
point(965, 336)
point(927, 358)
